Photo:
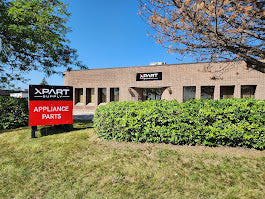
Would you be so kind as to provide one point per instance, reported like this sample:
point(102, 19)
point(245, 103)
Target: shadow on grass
point(55, 129)
point(12, 130)
point(65, 128)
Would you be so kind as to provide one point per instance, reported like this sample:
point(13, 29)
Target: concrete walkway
point(83, 115)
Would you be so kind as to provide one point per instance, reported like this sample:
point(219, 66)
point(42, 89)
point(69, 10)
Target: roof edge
point(158, 65)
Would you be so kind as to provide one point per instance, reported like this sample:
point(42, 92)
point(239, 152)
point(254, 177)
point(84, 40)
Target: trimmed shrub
point(13, 112)
point(227, 122)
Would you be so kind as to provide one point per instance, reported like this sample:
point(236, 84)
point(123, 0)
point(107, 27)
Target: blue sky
point(109, 34)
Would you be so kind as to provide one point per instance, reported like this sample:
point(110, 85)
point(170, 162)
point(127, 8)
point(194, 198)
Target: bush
point(227, 122)
point(13, 112)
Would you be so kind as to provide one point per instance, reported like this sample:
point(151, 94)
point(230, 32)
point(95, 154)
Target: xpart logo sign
point(149, 76)
point(49, 105)
point(39, 92)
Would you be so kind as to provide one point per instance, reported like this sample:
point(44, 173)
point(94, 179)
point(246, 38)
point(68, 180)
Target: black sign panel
point(50, 93)
point(149, 76)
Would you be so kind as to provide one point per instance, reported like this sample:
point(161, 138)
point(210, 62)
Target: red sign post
point(50, 105)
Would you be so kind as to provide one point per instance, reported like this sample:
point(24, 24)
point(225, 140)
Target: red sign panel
point(50, 112)
point(50, 105)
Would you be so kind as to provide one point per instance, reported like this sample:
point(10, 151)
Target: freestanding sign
point(50, 105)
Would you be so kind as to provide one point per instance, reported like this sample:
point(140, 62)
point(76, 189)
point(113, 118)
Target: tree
point(44, 82)
point(209, 29)
point(33, 34)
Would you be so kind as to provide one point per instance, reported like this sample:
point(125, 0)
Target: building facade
point(5, 92)
point(21, 94)
point(213, 80)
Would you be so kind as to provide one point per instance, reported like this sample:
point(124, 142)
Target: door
point(152, 94)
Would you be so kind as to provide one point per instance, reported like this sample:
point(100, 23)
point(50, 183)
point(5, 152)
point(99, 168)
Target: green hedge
point(13, 112)
point(227, 122)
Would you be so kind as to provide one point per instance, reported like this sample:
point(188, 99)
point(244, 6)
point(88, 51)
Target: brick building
point(212, 80)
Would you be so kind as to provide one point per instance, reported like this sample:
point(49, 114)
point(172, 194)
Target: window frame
point(79, 95)
point(89, 98)
point(112, 94)
point(100, 91)
point(183, 90)
point(254, 87)
point(222, 87)
point(212, 96)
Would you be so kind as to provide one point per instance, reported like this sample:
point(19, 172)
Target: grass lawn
point(78, 164)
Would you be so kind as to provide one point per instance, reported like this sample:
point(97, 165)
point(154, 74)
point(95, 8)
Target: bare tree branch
point(211, 30)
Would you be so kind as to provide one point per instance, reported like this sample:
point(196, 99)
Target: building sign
point(50, 105)
point(148, 76)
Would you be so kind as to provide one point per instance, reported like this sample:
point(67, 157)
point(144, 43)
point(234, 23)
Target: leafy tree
point(33, 34)
point(44, 82)
point(209, 29)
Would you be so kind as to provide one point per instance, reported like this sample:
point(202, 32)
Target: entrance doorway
point(152, 94)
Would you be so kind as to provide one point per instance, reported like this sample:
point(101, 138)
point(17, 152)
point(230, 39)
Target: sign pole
point(33, 129)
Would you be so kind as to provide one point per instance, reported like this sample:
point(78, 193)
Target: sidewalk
point(82, 115)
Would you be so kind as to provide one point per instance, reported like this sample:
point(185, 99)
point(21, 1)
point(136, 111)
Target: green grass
point(78, 164)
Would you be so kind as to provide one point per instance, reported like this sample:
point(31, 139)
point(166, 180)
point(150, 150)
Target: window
point(207, 92)
point(248, 91)
point(102, 97)
point(227, 92)
point(90, 95)
point(152, 94)
point(114, 94)
point(79, 95)
point(189, 92)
